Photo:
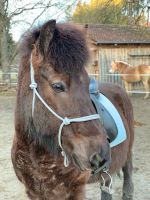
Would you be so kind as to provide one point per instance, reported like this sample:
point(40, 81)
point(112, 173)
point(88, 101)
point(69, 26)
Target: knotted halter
point(65, 121)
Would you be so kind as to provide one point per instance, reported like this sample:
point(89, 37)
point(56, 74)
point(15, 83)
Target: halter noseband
point(65, 121)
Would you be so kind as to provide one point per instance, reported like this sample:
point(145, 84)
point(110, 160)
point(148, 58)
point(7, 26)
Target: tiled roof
point(114, 34)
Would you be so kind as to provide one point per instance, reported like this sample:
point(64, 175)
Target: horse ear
point(112, 62)
point(46, 35)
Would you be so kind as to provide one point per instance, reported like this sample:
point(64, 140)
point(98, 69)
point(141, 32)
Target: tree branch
point(29, 6)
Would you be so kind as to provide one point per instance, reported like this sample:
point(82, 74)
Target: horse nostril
point(96, 161)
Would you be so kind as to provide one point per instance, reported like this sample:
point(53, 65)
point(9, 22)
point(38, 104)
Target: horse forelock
point(67, 51)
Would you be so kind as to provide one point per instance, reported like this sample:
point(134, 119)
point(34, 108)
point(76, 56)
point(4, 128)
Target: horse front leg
point(78, 193)
point(128, 187)
point(147, 88)
point(106, 196)
point(127, 87)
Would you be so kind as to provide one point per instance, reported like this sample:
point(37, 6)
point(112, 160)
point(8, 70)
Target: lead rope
point(108, 189)
point(65, 121)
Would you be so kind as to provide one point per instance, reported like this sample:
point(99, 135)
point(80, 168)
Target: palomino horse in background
point(54, 115)
point(133, 74)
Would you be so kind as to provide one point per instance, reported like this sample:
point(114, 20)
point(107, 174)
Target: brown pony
point(53, 64)
point(132, 74)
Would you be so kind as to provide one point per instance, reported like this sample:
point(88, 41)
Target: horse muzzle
point(99, 163)
point(111, 71)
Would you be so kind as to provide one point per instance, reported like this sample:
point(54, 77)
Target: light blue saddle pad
point(109, 115)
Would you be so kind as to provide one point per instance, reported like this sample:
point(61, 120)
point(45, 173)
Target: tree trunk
point(4, 57)
point(4, 52)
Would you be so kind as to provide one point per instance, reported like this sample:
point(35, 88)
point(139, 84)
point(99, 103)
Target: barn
point(114, 42)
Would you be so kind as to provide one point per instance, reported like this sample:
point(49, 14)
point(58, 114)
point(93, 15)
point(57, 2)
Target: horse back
point(144, 69)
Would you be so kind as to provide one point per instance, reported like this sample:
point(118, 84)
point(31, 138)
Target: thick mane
point(122, 62)
point(48, 142)
point(67, 51)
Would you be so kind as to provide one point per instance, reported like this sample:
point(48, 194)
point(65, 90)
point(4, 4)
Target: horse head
point(59, 56)
point(117, 66)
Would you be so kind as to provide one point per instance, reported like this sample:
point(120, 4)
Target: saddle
point(109, 116)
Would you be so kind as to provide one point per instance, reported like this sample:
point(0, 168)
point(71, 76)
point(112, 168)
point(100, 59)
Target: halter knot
point(33, 85)
point(66, 121)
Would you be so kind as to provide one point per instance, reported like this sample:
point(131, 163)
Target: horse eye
point(58, 87)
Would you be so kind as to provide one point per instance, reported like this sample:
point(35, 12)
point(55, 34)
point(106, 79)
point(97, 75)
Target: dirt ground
point(12, 189)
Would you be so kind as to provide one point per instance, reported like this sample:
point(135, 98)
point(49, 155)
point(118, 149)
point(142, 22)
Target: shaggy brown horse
point(133, 74)
point(53, 65)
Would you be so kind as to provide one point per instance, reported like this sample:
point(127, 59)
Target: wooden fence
point(8, 80)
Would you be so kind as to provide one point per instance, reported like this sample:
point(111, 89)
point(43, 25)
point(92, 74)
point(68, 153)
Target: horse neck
point(122, 67)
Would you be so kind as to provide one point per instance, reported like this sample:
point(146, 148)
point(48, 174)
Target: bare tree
point(12, 12)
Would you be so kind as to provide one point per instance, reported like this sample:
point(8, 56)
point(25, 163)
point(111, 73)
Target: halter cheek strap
point(65, 121)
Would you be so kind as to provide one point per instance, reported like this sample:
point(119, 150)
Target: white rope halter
point(65, 121)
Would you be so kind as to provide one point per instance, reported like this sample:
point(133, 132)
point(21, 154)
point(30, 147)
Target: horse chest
point(44, 179)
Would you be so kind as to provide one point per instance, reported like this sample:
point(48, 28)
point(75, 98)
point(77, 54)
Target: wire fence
point(137, 87)
point(10, 80)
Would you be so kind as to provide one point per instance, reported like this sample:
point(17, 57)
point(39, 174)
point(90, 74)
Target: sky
point(22, 22)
